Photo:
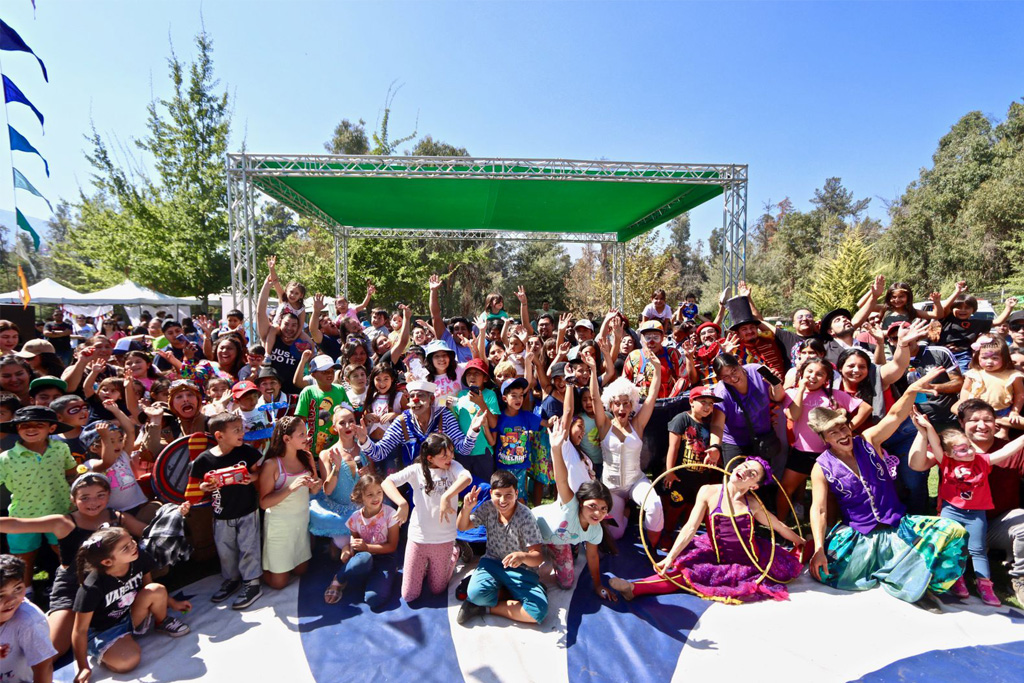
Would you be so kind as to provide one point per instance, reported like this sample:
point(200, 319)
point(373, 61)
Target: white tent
point(135, 298)
point(129, 293)
point(46, 291)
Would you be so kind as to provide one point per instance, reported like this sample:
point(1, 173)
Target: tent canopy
point(46, 291)
point(129, 293)
point(621, 200)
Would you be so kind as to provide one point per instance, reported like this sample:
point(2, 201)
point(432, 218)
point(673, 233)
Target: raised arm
point(867, 303)
point(74, 372)
point(314, 326)
point(299, 376)
point(899, 411)
point(398, 349)
point(906, 339)
point(524, 309)
point(1008, 307)
point(947, 303)
point(1006, 452)
point(436, 319)
point(370, 291)
point(262, 318)
point(558, 434)
point(918, 458)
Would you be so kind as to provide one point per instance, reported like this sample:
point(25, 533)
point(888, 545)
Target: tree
point(348, 138)
point(428, 147)
point(839, 281)
point(169, 229)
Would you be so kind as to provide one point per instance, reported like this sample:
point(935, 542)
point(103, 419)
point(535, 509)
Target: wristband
point(715, 446)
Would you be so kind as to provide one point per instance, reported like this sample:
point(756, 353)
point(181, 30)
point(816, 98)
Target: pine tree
point(841, 280)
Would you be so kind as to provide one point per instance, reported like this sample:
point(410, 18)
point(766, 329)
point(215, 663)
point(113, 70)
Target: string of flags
point(11, 41)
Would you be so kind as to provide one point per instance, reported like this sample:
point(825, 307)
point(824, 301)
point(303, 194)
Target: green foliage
point(168, 232)
point(429, 147)
point(348, 138)
point(839, 281)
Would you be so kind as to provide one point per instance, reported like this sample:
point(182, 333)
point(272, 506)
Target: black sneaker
point(226, 589)
point(173, 627)
point(250, 594)
point(462, 590)
point(468, 611)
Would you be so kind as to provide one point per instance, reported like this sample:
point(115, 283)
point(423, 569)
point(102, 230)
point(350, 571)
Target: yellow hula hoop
point(689, 588)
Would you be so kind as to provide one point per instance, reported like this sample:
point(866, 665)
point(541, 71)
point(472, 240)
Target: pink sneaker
point(959, 589)
point(987, 595)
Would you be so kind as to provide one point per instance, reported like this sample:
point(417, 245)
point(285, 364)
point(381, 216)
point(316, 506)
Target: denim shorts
point(101, 641)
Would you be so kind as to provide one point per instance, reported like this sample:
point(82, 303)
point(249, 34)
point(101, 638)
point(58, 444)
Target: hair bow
point(983, 340)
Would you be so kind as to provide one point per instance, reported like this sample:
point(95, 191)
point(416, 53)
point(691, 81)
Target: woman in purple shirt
point(876, 542)
point(742, 421)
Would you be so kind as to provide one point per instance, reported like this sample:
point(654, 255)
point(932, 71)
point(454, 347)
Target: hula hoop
point(690, 588)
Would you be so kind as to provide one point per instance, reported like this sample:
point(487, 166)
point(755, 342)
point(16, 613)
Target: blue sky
point(799, 91)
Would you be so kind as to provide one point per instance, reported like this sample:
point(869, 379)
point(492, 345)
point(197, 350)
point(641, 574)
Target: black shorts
point(65, 587)
point(801, 462)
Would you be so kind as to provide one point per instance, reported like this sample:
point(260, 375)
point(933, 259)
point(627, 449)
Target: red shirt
point(964, 484)
point(1004, 482)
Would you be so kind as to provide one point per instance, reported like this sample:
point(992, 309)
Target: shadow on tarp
point(980, 662)
point(349, 642)
point(636, 641)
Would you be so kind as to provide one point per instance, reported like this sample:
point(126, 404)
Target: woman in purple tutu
point(717, 565)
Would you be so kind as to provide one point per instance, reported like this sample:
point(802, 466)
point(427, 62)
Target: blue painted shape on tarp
point(349, 642)
point(635, 641)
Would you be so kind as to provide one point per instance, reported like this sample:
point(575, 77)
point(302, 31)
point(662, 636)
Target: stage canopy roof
point(619, 200)
point(129, 293)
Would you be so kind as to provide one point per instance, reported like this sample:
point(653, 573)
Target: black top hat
point(33, 414)
point(826, 320)
point(739, 312)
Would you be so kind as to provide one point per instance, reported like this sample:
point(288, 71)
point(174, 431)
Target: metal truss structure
point(249, 174)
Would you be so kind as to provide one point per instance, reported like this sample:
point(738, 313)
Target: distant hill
point(7, 219)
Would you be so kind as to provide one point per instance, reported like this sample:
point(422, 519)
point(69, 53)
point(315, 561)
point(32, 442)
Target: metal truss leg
point(337, 263)
point(242, 245)
point(344, 261)
point(734, 224)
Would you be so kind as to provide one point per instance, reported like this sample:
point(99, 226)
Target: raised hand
point(470, 500)
point(435, 282)
point(918, 330)
point(876, 331)
point(961, 287)
point(742, 288)
point(878, 286)
point(521, 294)
point(1011, 303)
point(557, 433)
point(307, 355)
point(203, 323)
point(318, 305)
point(921, 420)
point(563, 321)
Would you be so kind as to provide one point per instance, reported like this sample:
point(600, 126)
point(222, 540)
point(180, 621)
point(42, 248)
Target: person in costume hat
point(36, 471)
point(756, 339)
point(421, 419)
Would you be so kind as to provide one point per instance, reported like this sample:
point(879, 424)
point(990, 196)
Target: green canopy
point(619, 200)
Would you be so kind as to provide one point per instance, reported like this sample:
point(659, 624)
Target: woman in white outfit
point(621, 442)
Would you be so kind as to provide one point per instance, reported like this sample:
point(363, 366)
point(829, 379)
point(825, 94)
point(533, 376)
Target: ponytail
point(98, 547)
point(435, 444)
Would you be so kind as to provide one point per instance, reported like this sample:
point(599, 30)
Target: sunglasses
point(1017, 327)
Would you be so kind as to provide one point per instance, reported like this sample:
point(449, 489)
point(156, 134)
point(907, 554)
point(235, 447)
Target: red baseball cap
point(242, 388)
point(703, 392)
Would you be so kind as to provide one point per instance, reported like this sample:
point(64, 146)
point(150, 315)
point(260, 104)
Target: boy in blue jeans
point(512, 557)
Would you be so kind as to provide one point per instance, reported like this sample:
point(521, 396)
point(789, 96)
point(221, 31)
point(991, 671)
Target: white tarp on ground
point(822, 634)
point(46, 291)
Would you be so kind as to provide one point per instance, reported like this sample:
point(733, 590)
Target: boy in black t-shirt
point(689, 435)
point(236, 520)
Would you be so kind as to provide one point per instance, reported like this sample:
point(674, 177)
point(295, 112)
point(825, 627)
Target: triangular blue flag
point(12, 93)
point(21, 182)
point(10, 40)
point(20, 144)
point(26, 226)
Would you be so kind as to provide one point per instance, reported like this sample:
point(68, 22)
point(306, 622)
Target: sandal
point(333, 593)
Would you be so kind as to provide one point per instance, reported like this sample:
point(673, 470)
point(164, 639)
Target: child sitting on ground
point(573, 518)
point(27, 653)
point(236, 519)
point(117, 599)
point(36, 471)
point(368, 561)
point(513, 554)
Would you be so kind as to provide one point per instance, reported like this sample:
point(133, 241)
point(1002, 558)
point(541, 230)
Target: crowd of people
point(395, 448)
